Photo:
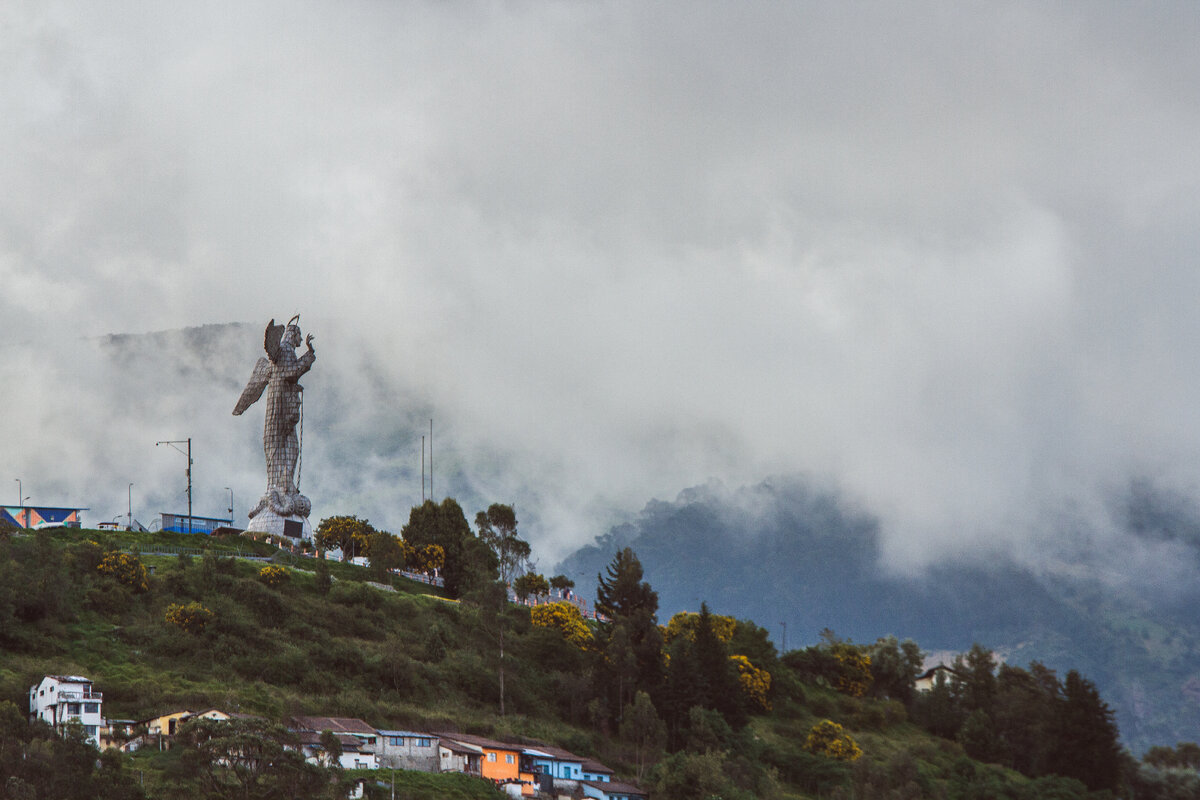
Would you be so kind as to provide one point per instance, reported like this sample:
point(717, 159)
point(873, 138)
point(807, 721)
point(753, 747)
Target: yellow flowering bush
point(854, 670)
point(685, 622)
point(829, 739)
point(423, 559)
point(126, 569)
point(564, 617)
point(274, 575)
point(191, 617)
point(756, 683)
point(433, 556)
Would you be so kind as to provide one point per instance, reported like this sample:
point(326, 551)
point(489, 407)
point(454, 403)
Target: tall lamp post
point(21, 498)
point(129, 526)
point(188, 442)
point(230, 504)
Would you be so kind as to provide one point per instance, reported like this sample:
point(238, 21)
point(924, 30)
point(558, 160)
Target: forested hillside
point(692, 705)
point(788, 552)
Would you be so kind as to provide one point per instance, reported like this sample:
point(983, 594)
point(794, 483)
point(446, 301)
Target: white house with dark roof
point(459, 757)
point(357, 739)
point(60, 699)
point(353, 753)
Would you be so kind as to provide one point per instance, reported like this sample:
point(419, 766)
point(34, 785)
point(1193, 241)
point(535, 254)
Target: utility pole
point(129, 526)
point(188, 442)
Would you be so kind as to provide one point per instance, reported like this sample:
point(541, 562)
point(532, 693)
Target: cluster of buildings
point(521, 770)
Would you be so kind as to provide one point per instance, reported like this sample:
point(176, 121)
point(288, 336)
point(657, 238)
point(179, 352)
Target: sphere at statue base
point(292, 526)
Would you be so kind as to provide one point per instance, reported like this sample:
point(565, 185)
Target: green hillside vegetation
point(697, 706)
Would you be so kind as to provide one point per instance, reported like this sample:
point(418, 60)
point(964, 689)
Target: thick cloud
point(940, 255)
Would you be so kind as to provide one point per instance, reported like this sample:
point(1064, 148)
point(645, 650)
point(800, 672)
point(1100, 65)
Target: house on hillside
point(595, 771)
point(501, 763)
point(459, 757)
point(357, 739)
point(118, 734)
point(555, 762)
point(161, 729)
point(62, 699)
point(353, 754)
point(560, 772)
point(613, 790)
point(926, 680)
point(407, 750)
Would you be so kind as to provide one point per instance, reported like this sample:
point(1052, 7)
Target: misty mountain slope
point(362, 427)
point(786, 552)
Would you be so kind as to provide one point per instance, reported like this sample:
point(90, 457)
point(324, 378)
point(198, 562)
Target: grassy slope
point(397, 659)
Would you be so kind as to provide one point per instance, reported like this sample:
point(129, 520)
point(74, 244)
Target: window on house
point(91, 708)
point(73, 708)
point(508, 758)
point(397, 741)
point(423, 742)
point(90, 730)
point(491, 756)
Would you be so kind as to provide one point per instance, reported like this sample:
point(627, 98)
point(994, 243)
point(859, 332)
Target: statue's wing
point(271, 339)
point(254, 389)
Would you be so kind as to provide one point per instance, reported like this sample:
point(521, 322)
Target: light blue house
point(555, 762)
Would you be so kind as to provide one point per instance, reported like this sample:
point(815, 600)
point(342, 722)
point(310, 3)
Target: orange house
point(500, 762)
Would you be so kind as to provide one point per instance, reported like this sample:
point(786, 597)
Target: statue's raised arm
point(278, 374)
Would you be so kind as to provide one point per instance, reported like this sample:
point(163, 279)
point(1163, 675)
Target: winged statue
point(278, 374)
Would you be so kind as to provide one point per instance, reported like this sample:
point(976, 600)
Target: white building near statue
point(59, 699)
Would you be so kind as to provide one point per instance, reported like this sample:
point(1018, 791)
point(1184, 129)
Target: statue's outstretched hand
point(308, 340)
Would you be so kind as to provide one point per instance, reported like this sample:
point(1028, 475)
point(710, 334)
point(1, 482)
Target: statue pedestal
point(294, 526)
point(282, 515)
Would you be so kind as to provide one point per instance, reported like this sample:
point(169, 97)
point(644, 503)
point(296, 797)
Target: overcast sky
point(940, 255)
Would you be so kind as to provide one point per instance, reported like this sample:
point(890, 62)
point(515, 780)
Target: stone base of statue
point(282, 515)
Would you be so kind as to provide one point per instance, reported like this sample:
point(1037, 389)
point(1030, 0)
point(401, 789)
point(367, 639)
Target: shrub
point(191, 618)
point(566, 619)
point(126, 569)
point(684, 623)
point(854, 669)
point(828, 739)
point(273, 575)
point(756, 683)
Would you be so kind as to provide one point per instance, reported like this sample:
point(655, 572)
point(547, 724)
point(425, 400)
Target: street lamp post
point(230, 504)
point(21, 498)
point(188, 442)
point(129, 526)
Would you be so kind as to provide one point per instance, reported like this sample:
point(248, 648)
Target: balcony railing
point(69, 696)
